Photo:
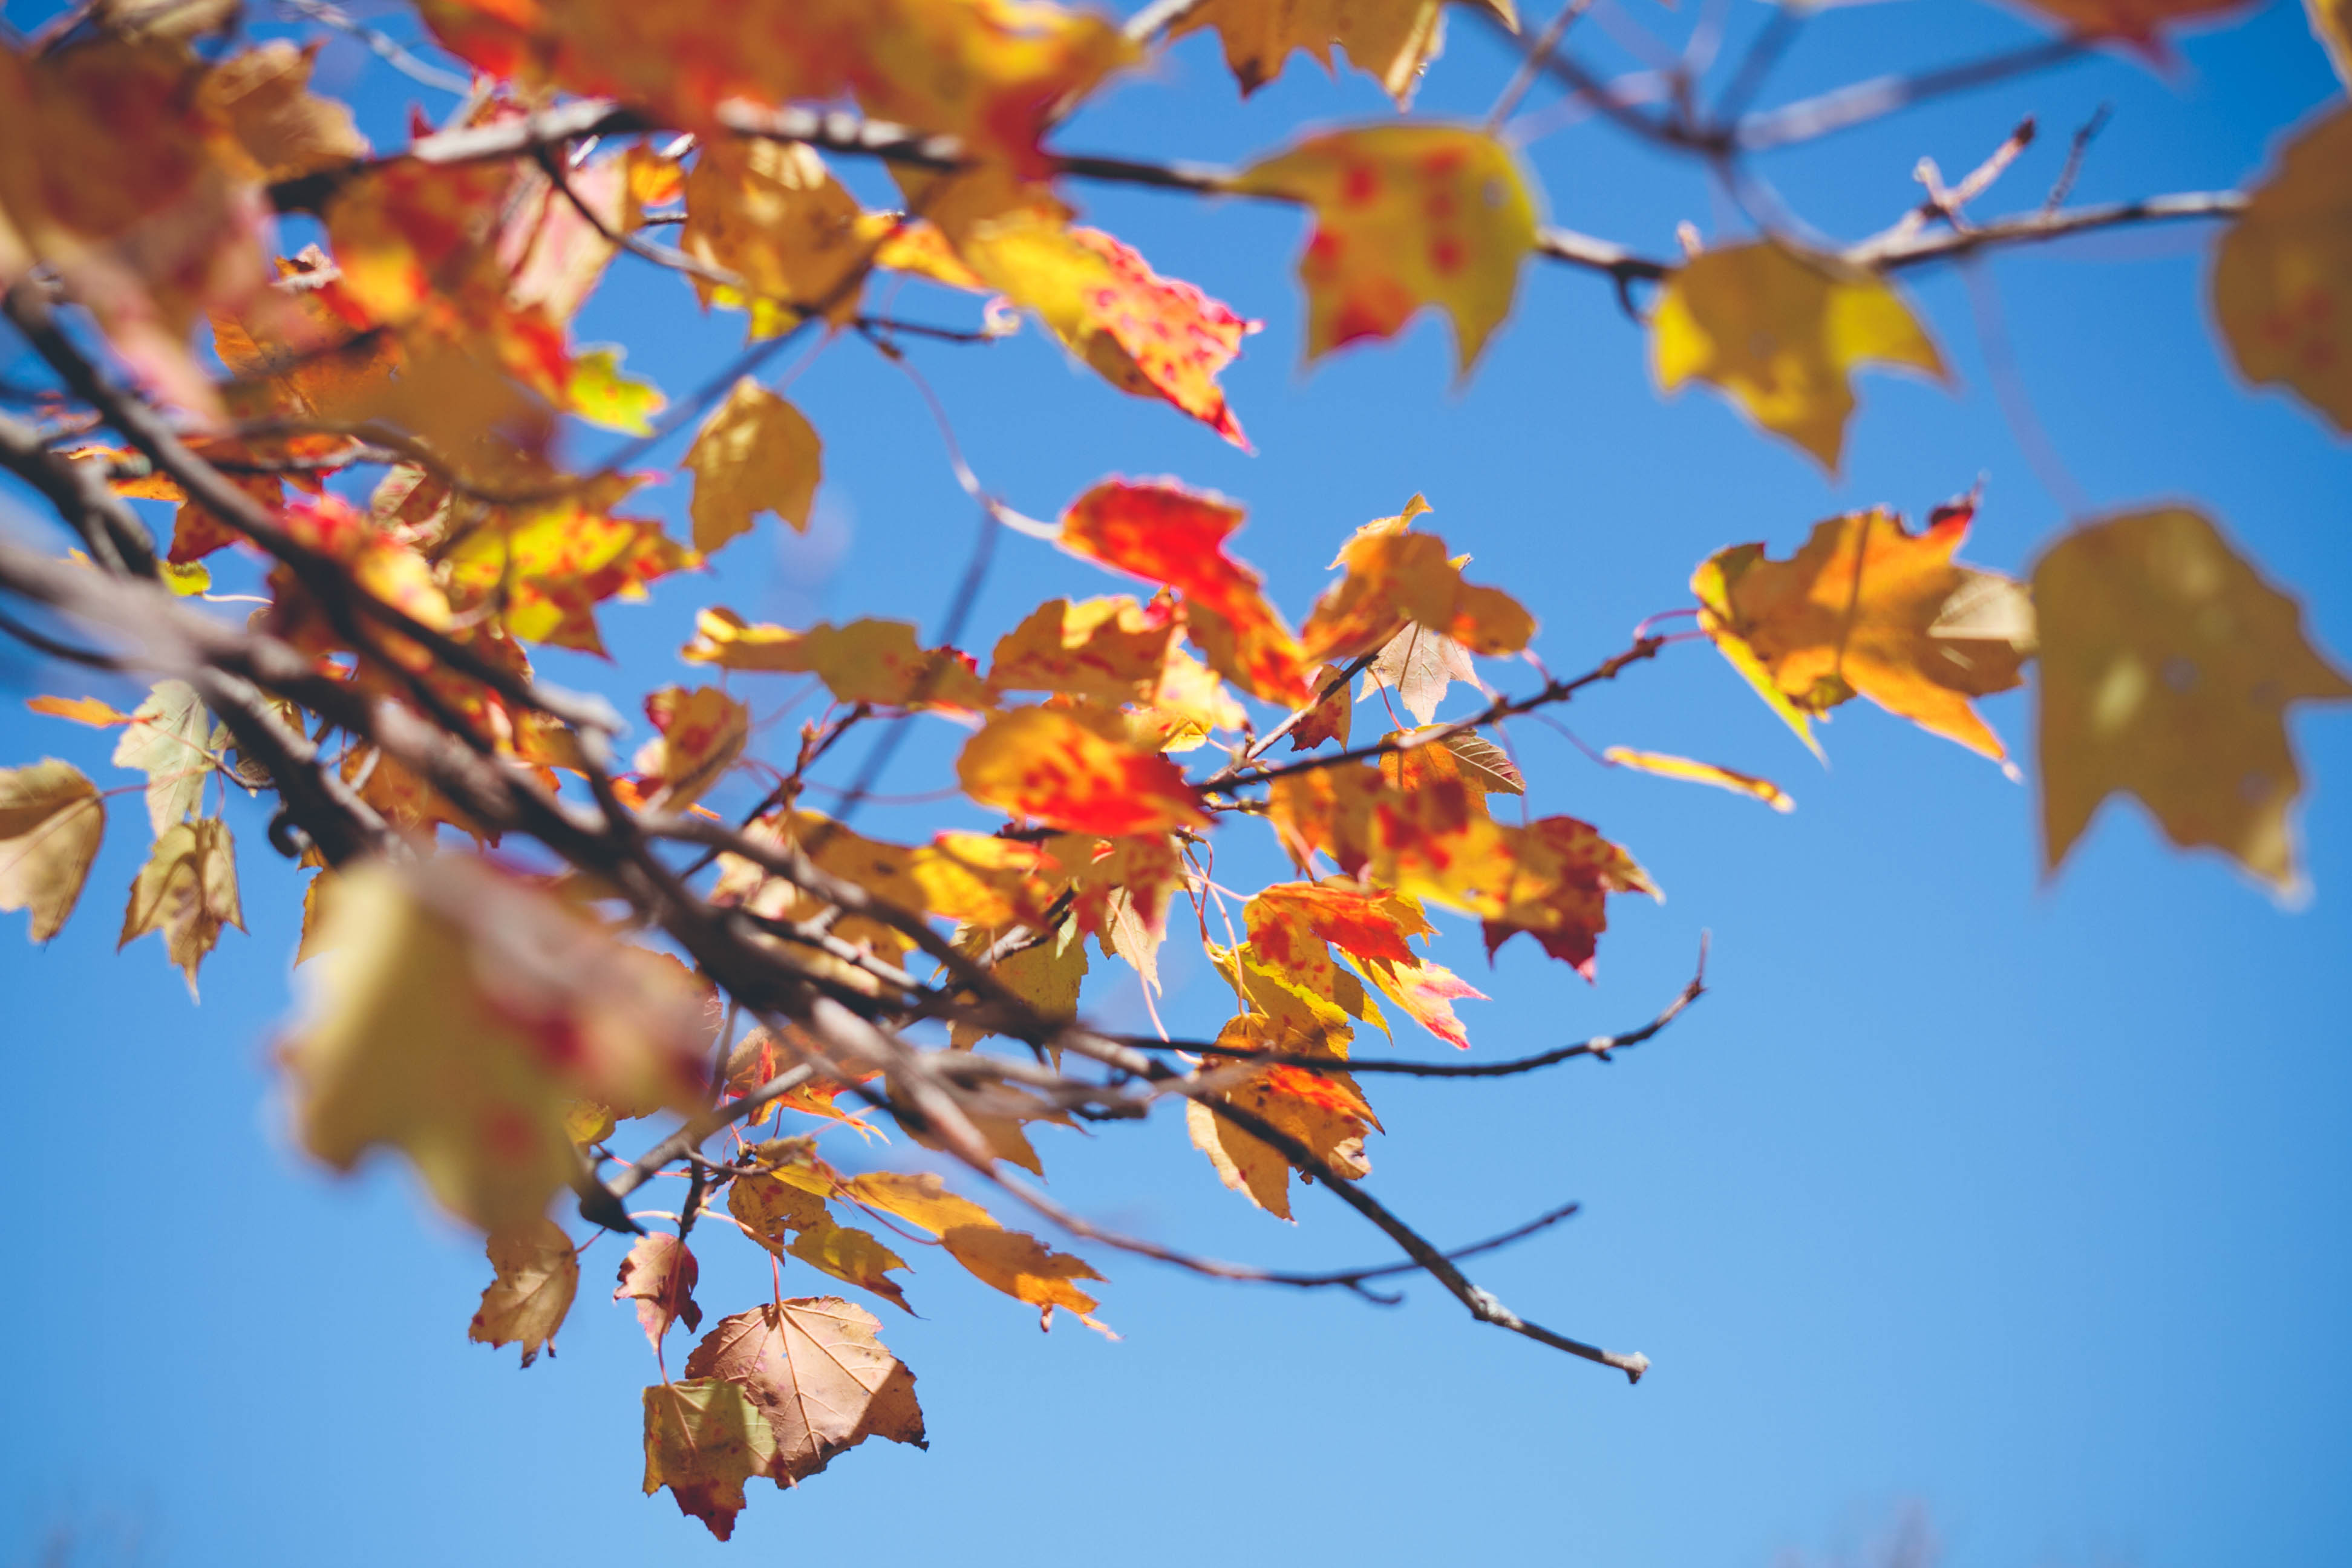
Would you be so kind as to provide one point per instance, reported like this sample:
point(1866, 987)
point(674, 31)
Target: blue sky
point(2024, 1203)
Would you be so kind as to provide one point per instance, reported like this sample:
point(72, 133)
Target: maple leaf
point(1110, 650)
point(538, 1273)
point(1164, 532)
point(1558, 872)
point(2168, 665)
point(277, 128)
point(867, 660)
point(547, 567)
point(1328, 720)
point(1397, 578)
point(456, 1013)
point(1147, 336)
point(772, 214)
point(816, 1370)
point(994, 73)
point(704, 1438)
point(1419, 665)
point(1393, 40)
point(659, 1274)
point(1024, 1269)
point(187, 891)
point(374, 562)
point(1405, 216)
point(1667, 766)
point(702, 733)
point(754, 454)
point(108, 174)
point(1076, 769)
point(51, 820)
point(598, 392)
point(1045, 975)
point(1322, 1110)
point(1867, 607)
point(168, 740)
point(1779, 331)
point(2279, 291)
point(1289, 922)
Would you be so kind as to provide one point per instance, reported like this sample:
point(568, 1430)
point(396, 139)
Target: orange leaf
point(1671, 767)
point(1396, 578)
point(865, 662)
point(1159, 531)
point(1077, 771)
point(80, 709)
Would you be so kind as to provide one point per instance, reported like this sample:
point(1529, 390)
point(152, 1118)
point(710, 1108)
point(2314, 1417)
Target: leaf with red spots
point(1164, 532)
point(1076, 769)
point(1406, 216)
point(1393, 39)
point(1289, 922)
point(545, 568)
point(659, 1274)
point(456, 1012)
point(702, 733)
point(1398, 578)
point(1110, 650)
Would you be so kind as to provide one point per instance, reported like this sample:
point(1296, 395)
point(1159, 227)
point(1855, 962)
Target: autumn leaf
point(2167, 666)
point(1110, 650)
point(1396, 579)
point(51, 820)
point(1077, 771)
point(600, 393)
point(772, 214)
point(919, 1198)
point(1289, 922)
point(659, 1274)
point(168, 740)
point(1418, 665)
point(815, 1371)
point(704, 1438)
point(1405, 216)
point(2331, 24)
point(1869, 607)
point(1045, 975)
point(1393, 40)
point(700, 734)
point(867, 660)
point(1667, 766)
point(277, 127)
point(1024, 1269)
point(1328, 719)
point(1323, 1111)
point(1780, 331)
point(1145, 334)
point(754, 454)
point(2134, 21)
point(2280, 292)
point(87, 710)
point(1164, 532)
point(538, 1273)
point(545, 568)
point(456, 1013)
point(187, 891)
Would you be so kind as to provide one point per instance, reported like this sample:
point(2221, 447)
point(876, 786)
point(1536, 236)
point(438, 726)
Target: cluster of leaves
point(379, 419)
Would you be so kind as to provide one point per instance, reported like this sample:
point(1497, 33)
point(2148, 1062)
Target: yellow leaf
point(2283, 276)
point(2168, 665)
point(756, 454)
point(87, 710)
point(1780, 331)
point(456, 1013)
point(923, 1200)
point(538, 1274)
point(704, 1438)
point(168, 740)
point(1867, 607)
point(772, 214)
point(1405, 216)
point(1397, 578)
point(1045, 975)
point(185, 578)
point(1024, 1269)
point(854, 1256)
point(1671, 767)
point(1394, 41)
point(867, 660)
point(1110, 650)
point(601, 395)
point(702, 732)
point(51, 820)
point(187, 891)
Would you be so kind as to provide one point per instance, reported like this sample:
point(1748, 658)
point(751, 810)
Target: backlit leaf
point(755, 453)
point(1780, 332)
point(1398, 578)
point(1077, 771)
point(277, 128)
point(187, 891)
point(702, 733)
point(601, 395)
point(80, 710)
point(169, 741)
point(454, 1014)
point(1164, 532)
point(660, 1275)
point(1024, 1269)
point(868, 660)
point(51, 820)
point(1869, 607)
point(1394, 41)
point(814, 1368)
point(2283, 275)
point(772, 214)
point(1667, 766)
point(1406, 216)
point(1110, 650)
point(538, 1274)
point(2167, 666)
point(704, 1438)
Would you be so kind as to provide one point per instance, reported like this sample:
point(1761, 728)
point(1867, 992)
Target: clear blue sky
point(2024, 1203)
